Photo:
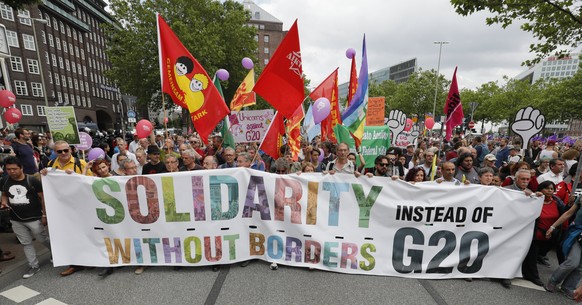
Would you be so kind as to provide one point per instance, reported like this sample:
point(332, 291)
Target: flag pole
point(165, 117)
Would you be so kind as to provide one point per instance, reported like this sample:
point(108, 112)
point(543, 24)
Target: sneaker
point(550, 287)
point(274, 266)
point(245, 263)
point(32, 271)
point(543, 260)
point(568, 293)
point(139, 270)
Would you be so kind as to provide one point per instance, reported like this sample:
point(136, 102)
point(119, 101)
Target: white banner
point(250, 125)
point(333, 222)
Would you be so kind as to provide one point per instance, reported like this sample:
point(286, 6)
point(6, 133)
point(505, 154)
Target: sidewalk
point(14, 269)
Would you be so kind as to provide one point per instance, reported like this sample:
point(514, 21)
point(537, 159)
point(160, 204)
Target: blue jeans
point(568, 273)
point(25, 231)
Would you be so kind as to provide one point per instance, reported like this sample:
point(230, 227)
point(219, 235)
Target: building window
point(79, 101)
point(266, 50)
point(43, 37)
point(26, 110)
point(76, 51)
point(82, 86)
point(68, 31)
point(58, 43)
point(266, 38)
point(70, 82)
point(61, 63)
point(6, 12)
point(74, 34)
point(28, 42)
point(84, 101)
point(76, 84)
point(258, 15)
point(50, 78)
point(57, 79)
point(68, 65)
point(12, 38)
point(74, 68)
point(261, 26)
point(60, 97)
point(50, 39)
point(48, 19)
point(36, 89)
point(54, 59)
point(89, 102)
point(62, 27)
point(16, 64)
point(46, 58)
point(20, 87)
point(257, 37)
point(266, 61)
point(64, 80)
point(65, 48)
point(66, 99)
point(72, 99)
point(32, 66)
point(24, 17)
point(40, 110)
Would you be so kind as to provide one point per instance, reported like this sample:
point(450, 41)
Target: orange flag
point(184, 79)
point(281, 83)
point(244, 95)
point(329, 89)
point(273, 140)
point(293, 126)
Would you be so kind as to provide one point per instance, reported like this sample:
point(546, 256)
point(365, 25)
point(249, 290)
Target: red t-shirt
point(548, 216)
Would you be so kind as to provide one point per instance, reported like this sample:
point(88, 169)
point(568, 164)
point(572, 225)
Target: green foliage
point(555, 24)
point(21, 4)
point(215, 33)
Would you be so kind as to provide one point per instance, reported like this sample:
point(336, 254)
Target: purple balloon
point(320, 109)
point(247, 63)
point(320, 155)
point(350, 53)
point(95, 153)
point(222, 74)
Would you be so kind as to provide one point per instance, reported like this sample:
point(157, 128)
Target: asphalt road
point(256, 284)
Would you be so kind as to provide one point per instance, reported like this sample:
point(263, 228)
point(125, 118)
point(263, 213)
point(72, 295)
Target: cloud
point(400, 30)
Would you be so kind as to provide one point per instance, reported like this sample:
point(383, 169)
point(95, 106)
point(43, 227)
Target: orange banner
point(375, 113)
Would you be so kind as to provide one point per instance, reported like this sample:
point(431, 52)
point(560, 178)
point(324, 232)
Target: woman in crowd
point(544, 166)
point(417, 159)
point(486, 175)
point(415, 174)
point(540, 246)
point(521, 165)
point(307, 167)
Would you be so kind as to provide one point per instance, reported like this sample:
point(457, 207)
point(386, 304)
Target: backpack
point(77, 164)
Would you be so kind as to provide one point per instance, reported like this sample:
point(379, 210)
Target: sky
point(397, 31)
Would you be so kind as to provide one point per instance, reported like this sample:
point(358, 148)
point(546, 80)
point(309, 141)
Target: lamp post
point(436, 82)
point(37, 46)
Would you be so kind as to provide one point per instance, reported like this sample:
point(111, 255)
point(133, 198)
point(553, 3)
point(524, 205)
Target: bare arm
point(561, 220)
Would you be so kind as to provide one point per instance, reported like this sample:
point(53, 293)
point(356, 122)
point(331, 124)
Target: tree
point(20, 4)
point(215, 33)
point(556, 24)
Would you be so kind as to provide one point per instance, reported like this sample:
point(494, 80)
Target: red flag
point(281, 83)
point(293, 126)
point(273, 140)
point(453, 108)
point(329, 89)
point(184, 79)
point(353, 86)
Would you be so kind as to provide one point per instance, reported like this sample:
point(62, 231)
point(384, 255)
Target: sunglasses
point(392, 159)
point(383, 164)
point(60, 151)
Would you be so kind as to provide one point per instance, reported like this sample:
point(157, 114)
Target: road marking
point(19, 293)
point(433, 292)
point(51, 301)
point(526, 284)
point(215, 291)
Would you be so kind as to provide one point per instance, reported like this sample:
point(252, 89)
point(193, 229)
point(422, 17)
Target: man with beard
point(465, 170)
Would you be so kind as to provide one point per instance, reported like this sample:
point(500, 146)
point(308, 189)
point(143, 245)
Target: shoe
point(537, 282)
point(32, 271)
point(6, 256)
point(468, 279)
point(568, 293)
point(274, 266)
point(245, 263)
point(550, 287)
point(105, 271)
point(176, 268)
point(71, 270)
point(506, 283)
point(216, 268)
point(139, 270)
point(543, 260)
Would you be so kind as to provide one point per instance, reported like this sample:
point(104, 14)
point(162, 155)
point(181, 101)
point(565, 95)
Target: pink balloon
point(350, 53)
point(247, 63)
point(222, 74)
point(321, 109)
point(7, 98)
point(429, 123)
point(12, 115)
point(95, 153)
point(408, 125)
point(143, 128)
point(166, 120)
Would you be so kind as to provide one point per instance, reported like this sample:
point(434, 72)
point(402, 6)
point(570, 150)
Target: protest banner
point(250, 125)
point(335, 222)
point(63, 124)
point(376, 109)
point(375, 142)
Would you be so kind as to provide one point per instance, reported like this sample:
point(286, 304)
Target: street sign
point(131, 114)
point(131, 120)
point(471, 125)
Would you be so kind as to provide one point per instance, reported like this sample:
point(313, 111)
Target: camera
point(5, 150)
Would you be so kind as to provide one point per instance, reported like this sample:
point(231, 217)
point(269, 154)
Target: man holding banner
point(341, 164)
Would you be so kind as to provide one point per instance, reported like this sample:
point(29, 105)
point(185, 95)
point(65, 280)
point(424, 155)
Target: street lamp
point(44, 93)
point(436, 82)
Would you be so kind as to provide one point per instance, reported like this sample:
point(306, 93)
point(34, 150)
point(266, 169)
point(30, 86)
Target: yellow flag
point(244, 95)
point(433, 168)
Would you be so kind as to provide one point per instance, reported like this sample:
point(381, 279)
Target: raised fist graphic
point(396, 122)
point(528, 122)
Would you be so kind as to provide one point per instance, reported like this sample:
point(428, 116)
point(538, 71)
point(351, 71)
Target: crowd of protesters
point(543, 169)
